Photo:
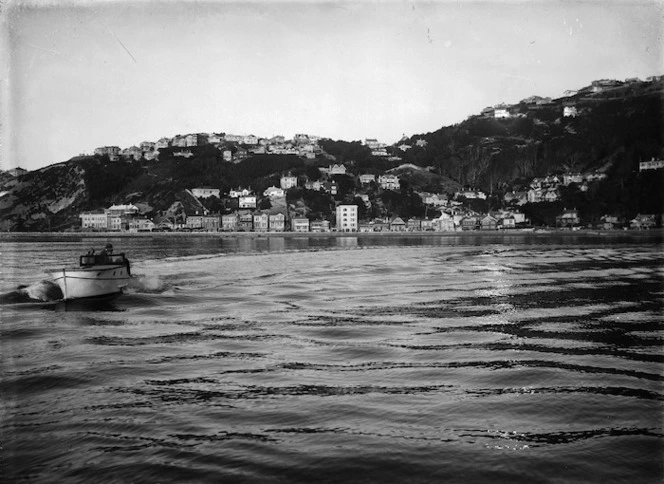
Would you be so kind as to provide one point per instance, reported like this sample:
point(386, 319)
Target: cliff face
point(47, 198)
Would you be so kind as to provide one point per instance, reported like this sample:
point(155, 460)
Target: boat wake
point(145, 284)
point(42, 291)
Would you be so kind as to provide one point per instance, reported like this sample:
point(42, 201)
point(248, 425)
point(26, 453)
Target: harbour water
point(507, 358)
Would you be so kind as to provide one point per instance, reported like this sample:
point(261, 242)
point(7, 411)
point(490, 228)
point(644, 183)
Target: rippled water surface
point(339, 359)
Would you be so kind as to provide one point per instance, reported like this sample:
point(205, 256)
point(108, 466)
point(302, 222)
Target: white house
point(367, 178)
point(389, 182)
point(247, 201)
point(288, 182)
point(651, 165)
point(337, 170)
point(205, 192)
point(274, 192)
point(570, 112)
point(239, 192)
point(94, 220)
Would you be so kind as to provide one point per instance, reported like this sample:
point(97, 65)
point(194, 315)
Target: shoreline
point(226, 235)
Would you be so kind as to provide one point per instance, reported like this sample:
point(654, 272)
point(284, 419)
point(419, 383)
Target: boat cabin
point(90, 260)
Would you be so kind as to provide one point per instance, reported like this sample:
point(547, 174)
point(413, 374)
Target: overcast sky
point(85, 74)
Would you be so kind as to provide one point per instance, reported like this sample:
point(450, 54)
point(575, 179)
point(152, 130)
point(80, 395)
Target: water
point(524, 358)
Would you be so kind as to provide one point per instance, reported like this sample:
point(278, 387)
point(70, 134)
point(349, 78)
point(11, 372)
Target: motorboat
point(102, 274)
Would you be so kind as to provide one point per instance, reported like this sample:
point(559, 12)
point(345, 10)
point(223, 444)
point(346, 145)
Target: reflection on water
point(296, 359)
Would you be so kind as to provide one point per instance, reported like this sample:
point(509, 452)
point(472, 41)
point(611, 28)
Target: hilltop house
point(653, 164)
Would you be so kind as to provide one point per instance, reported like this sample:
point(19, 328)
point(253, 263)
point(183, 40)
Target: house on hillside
point(239, 192)
point(570, 112)
point(569, 178)
point(194, 140)
point(247, 201)
point(288, 181)
point(517, 198)
point(471, 194)
point(274, 192)
point(367, 178)
point(337, 170)
point(163, 143)
point(389, 182)
point(205, 192)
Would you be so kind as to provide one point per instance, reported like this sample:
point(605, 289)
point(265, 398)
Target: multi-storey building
point(94, 220)
point(347, 218)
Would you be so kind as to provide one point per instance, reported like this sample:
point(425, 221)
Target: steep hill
point(611, 127)
point(612, 131)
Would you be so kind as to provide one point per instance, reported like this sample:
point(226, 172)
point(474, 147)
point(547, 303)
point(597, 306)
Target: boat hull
point(92, 281)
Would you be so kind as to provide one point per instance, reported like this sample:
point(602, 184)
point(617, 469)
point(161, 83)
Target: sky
point(82, 74)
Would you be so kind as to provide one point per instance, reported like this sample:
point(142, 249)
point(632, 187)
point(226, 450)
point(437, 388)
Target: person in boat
point(104, 255)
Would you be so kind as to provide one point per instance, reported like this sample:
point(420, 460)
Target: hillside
point(613, 127)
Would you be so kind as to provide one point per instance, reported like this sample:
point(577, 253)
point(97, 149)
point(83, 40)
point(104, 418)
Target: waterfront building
point(347, 218)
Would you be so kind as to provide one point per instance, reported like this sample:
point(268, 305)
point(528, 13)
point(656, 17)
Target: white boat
point(97, 275)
